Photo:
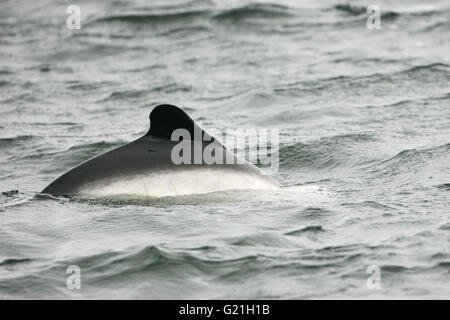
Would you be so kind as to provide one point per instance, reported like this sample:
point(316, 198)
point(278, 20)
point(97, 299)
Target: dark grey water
point(365, 147)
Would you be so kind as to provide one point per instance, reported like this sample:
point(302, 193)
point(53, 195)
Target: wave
point(77, 153)
point(179, 263)
point(224, 263)
point(184, 272)
point(414, 154)
point(10, 193)
point(172, 87)
point(87, 86)
point(10, 142)
point(241, 13)
point(418, 73)
point(325, 153)
point(261, 239)
point(4, 83)
point(152, 18)
point(437, 66)
point(258, 10)
point(251, 11)
point(356, 10)
point(438, 26)
point(425, 69)
point(444, 186)
point(16, 138)
point(14, 261)
point(305, 230)
point(57, 162)
point(406, 102)
point(445, 226)
point(409, 160)
point(126, 95)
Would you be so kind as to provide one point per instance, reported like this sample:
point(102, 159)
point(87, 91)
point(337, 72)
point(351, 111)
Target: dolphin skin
point(146, 166)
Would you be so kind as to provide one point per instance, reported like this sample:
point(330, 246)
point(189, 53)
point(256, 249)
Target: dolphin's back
point(145, 167)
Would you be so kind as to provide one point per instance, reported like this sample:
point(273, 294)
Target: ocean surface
point(364, 120)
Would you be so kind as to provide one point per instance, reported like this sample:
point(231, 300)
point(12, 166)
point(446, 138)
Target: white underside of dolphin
point(164, 184)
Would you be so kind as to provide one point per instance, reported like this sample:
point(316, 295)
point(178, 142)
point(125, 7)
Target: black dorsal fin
point(166, 118)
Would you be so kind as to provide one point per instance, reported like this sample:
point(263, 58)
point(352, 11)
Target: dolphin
point(146, 166)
